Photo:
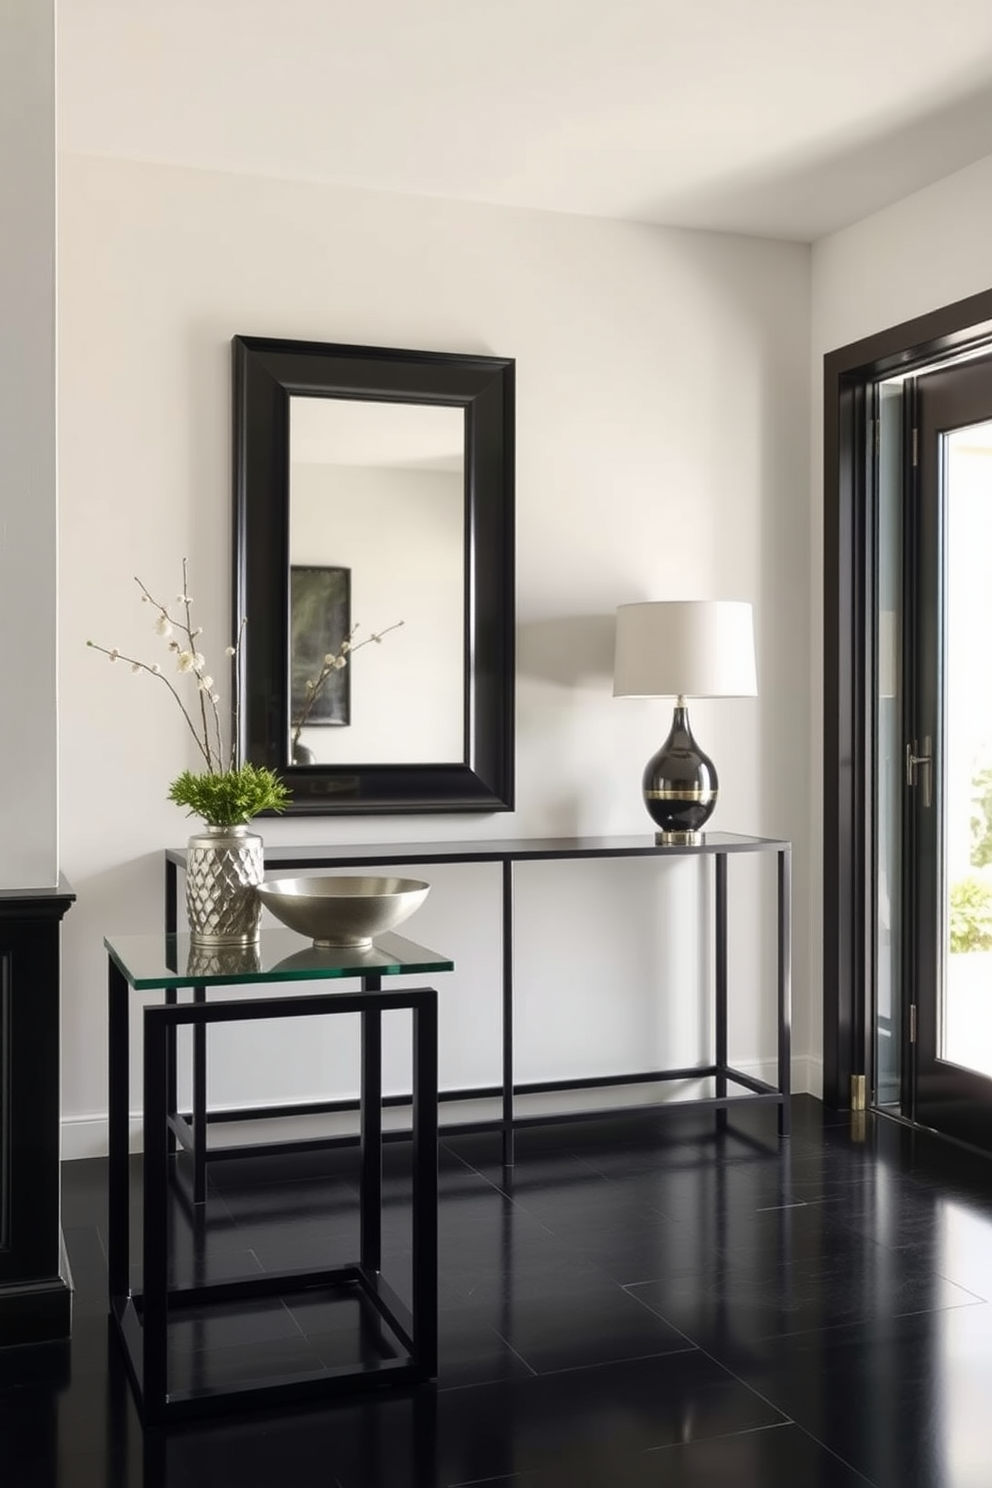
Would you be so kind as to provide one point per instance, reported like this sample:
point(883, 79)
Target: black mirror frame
point(266, 373)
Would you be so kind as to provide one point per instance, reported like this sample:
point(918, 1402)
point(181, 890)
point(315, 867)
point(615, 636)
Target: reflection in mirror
point(377, 536)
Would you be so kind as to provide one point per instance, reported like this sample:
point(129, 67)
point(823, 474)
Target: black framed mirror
point(386, 475)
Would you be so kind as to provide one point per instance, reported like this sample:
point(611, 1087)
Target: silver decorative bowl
point(343, 911)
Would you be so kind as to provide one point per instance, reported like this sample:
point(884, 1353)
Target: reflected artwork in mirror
point(319, 628)
point(374, 496)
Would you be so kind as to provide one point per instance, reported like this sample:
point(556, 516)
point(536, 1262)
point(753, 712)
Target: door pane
point(965, 1009)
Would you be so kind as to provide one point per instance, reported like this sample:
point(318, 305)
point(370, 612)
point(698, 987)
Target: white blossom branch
point(334, 661)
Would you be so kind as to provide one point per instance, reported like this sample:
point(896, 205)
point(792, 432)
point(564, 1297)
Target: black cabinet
point(35, 1293)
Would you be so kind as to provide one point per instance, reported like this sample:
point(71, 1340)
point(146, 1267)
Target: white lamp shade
point(686, 647)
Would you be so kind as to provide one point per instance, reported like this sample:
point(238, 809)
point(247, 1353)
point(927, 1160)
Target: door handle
point(913, 763)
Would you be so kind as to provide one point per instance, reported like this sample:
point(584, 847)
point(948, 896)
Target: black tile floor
point(645, 1302)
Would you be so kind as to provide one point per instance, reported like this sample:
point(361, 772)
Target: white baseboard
point(807, 1075)
point(86, 1136)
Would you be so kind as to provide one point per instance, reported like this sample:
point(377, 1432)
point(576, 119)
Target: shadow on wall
point(564, 689)
point(955, 133)
point(568, 651)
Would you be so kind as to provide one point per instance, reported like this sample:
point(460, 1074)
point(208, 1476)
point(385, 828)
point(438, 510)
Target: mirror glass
point(376, 547)
point(373, 496)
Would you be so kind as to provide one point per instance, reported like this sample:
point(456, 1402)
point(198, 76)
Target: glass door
point(947, 754)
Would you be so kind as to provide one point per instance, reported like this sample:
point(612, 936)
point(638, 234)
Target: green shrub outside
point(971, 915)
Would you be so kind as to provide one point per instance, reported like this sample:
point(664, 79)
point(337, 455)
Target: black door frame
point(849, 376)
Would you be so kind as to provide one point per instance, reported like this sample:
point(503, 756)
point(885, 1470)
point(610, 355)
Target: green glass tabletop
point(148, 962)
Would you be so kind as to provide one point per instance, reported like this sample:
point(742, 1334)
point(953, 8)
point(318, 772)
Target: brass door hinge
point(912, 1022)
point(858, 1092)
point(916, 447)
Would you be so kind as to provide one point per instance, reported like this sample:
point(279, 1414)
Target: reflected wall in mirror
point(395, 468)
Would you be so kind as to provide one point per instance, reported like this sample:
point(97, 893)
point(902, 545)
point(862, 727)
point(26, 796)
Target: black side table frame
point(142, 1318)
point(717, 846)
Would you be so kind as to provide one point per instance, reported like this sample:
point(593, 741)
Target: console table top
point(506, 849)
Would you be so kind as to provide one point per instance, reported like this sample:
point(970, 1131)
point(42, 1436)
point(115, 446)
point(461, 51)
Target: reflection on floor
point(645, 1302)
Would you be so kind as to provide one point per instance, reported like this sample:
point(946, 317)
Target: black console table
point(35, 1294)
point(716, 847)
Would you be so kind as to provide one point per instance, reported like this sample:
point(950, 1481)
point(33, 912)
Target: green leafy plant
point(981, 818)
point(228, 793)
point(231, 797)
point(971, 915)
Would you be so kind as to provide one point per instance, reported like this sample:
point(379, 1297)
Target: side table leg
point(425, 1138)
point(118, 1243)
point(199, 1104)
point(371, 1132)
point(785, 989)
point(720, 868)
point(154, 1281)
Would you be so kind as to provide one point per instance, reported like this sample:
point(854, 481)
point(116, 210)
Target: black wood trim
point(848, 528)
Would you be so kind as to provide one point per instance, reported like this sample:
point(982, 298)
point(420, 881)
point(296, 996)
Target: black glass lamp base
point(680, 785)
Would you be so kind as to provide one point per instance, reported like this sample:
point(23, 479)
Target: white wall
point(28, 567)
point(923, 252)
point(662, 451)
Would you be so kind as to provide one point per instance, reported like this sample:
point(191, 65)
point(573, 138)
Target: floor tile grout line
point(786, 1425)
point(787, 1418)
point(783, 1425)
point(574, 1369)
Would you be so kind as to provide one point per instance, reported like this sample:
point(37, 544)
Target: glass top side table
point(403, 1346)
point(150, 962)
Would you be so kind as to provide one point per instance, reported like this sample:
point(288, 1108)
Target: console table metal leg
point(171, 998)
point(199, 1104)
point(371, 1132)
point(425, 1134)
point(118, 1257)
point(720, 873)
point(154, 1281)
point(785, 988)
point(171, 874)
point(507, 1113)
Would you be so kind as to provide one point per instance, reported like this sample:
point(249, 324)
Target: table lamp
point(682, 649)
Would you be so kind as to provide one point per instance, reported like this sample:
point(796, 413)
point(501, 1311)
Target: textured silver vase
point(224, 866)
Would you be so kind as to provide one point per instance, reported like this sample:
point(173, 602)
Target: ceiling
point(782, 118)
